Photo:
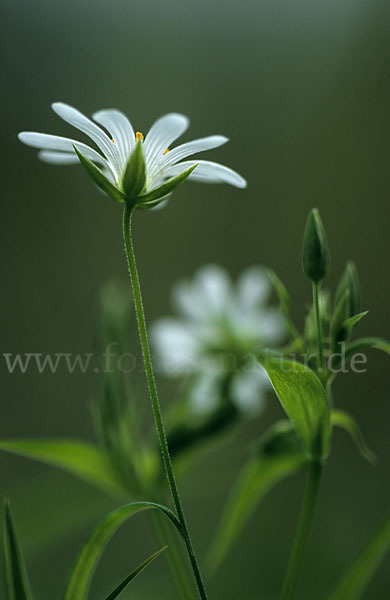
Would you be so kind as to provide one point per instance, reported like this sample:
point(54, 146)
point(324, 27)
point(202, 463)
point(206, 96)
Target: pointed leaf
point(17, 580)
point(280, 289)
point(134, 574)
point(279, 455)
point(369, 342)
point(81, 574)
point(352, 321)
point(304, 400)
point(344, 420)
point(134, 177)
point(354, 583)
point(165, 189)
point(97, 177)
point(86, 461)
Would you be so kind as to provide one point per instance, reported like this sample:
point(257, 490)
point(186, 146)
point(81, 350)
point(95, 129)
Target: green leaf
point(134, 574)
point(17, 580)
point(101, 180)
point(342, 419)
point(81, 574)
point(86, 461)
point(354, 583)
point(279, 455)
point(163, 190)
point(304, 400)
point(134, 177)
point(280, 289)
point(368, 342)
point(350, 323)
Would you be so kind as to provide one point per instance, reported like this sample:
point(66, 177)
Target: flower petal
point(45, 141)
point(248, 389)
point(121, 130)
point(209, 172)
point(253, 288)
point(205, 392)
point(162, 133)
point(205, 296)
point(81, 122)
point(214, 287)
point(206, 143)
point(175, 346)
point(58, 158)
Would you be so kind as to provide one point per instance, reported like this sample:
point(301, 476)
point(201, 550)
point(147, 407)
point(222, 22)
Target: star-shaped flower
point(219, 328)
point(127, 166)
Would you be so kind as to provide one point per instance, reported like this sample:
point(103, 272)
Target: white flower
point(116, 141)
point(219, 328)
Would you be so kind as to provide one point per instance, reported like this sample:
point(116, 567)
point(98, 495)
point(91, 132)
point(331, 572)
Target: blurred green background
point(302, 90)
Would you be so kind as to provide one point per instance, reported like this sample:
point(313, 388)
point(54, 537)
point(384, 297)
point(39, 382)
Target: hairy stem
point(133, 272)
point(303, 531)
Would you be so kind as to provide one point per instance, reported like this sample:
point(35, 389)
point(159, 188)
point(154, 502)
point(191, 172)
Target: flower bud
point(349, 281)
point(315, 255)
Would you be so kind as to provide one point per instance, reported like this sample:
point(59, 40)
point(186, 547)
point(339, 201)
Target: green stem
point(303, 531)
point(133, 272)
point(316, 303)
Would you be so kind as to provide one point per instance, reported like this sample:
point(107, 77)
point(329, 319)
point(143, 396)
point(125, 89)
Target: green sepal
point(134, 574)
point(150, 199)
point(342, 419)
point(99, 179)
point(17, 580)
point(277, 455)
point(304, 400)
point(134, 177)
point(315, 254)
point(355, 581)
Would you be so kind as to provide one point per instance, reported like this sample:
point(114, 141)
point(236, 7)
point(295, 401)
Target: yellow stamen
point(112, 139)
point(139, 136)
point(166, 151)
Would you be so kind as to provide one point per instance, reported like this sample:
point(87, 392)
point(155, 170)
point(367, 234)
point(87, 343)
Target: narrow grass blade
point(134, 574)
point(81, 574)
point(354, 583)
point(17, 580)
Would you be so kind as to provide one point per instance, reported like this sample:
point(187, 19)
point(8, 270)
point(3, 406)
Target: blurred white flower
point(218, 329)
point(114, 136)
